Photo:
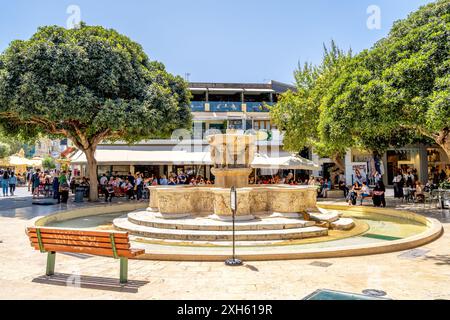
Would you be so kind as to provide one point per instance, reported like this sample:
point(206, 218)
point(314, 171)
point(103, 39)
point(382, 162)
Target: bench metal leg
point(51, 257)
point(123, 270)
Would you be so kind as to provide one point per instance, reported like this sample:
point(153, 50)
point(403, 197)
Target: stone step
point(329, 217)
point(148, 219)
point(202, 235)
point(343, 224)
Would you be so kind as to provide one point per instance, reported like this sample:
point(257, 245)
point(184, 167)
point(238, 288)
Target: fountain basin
point(173, 202)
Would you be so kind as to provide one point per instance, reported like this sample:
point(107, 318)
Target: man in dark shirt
point(131, 179)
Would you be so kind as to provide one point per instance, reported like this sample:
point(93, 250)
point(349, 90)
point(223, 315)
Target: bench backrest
point(100, 243)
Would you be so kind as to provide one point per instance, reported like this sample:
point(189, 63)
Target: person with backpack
point(64, 187)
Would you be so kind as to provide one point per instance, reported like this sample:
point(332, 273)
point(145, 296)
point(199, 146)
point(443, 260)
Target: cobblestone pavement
point(422, 275)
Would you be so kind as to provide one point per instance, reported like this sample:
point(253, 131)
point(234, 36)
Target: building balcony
point(198, 106)
point(258, 106)
point(225, 106)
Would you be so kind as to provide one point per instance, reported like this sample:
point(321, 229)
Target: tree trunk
point(339, 161)
point(444, 141)
point(92, 173)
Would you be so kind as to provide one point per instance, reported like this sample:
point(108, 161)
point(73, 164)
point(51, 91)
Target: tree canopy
point(5, 150)
point(401, 85)
point(88, 84)
point(393, 94)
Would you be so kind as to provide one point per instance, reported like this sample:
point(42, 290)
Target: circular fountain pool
point(375, 231)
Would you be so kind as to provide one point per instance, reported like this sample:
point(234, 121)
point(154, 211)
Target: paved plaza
point(423, 273)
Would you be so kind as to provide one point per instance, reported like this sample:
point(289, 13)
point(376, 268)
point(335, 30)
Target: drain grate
point(321, 264)
point(374, 293)
point(413, 254)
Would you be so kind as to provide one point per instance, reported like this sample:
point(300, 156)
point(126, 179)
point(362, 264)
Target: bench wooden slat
point(78, 232)
point(95, 244)
point(107, 239)
point(131, 253)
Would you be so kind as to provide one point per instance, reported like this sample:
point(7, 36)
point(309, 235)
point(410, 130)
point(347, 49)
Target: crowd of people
point(53, 184)
point(408, 187)
point(58, 184)
point(134, 186)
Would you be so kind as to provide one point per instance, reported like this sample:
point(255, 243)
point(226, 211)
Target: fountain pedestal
point(231, 155)
point(227, 178)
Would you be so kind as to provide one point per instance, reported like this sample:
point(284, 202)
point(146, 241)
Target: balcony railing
point(197, 106)
point(258, 106)
point(225, 106)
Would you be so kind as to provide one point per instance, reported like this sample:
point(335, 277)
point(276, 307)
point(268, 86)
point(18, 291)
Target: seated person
point(365, 192)
point(109, 192)
point(353, 194)
point(420, 196)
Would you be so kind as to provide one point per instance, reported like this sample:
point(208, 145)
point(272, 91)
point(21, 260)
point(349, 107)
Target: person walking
point(55, 187)
point(109, 191)
point(28, 179)
point(12, 183)
point(35, 182)
point(103, 184)
point(64, 187)
point(139, 186)
point(5, 183)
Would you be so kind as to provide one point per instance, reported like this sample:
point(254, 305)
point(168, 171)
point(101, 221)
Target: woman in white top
point(365, 192)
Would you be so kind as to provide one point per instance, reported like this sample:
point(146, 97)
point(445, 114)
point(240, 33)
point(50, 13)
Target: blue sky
point(222, 41)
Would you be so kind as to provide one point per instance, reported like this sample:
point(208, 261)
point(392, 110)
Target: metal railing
point(225, 106)
point(258, 106)
point(198, 106)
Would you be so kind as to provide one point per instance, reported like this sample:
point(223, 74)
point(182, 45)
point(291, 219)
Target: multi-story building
point(216, 107)
point(47, 147)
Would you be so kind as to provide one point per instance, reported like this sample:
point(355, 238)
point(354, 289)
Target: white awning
point(259, 90)
point(225, 89)
point(284, 163)
point(146, 157)
point(143, 157)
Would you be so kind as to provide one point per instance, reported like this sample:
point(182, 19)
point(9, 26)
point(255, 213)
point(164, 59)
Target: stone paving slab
point(425, 277)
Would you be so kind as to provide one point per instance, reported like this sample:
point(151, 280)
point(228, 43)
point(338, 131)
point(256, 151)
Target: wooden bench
point(99, 243)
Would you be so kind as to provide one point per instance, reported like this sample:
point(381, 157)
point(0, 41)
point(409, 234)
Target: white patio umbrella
point(293, 162)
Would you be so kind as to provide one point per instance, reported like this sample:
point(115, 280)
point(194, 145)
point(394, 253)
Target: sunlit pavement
point(422, 274)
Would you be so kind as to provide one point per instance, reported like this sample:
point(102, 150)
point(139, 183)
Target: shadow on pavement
point(441, 259)
point(88, 282)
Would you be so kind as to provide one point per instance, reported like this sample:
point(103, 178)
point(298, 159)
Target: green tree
point(5, 150)
point(48, 163)
point(90, 85)
point(399, 87)
point(298, 113)
point(12, 144)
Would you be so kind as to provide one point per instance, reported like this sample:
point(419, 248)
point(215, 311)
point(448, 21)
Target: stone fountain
point(203, 213)
point(232, 155)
